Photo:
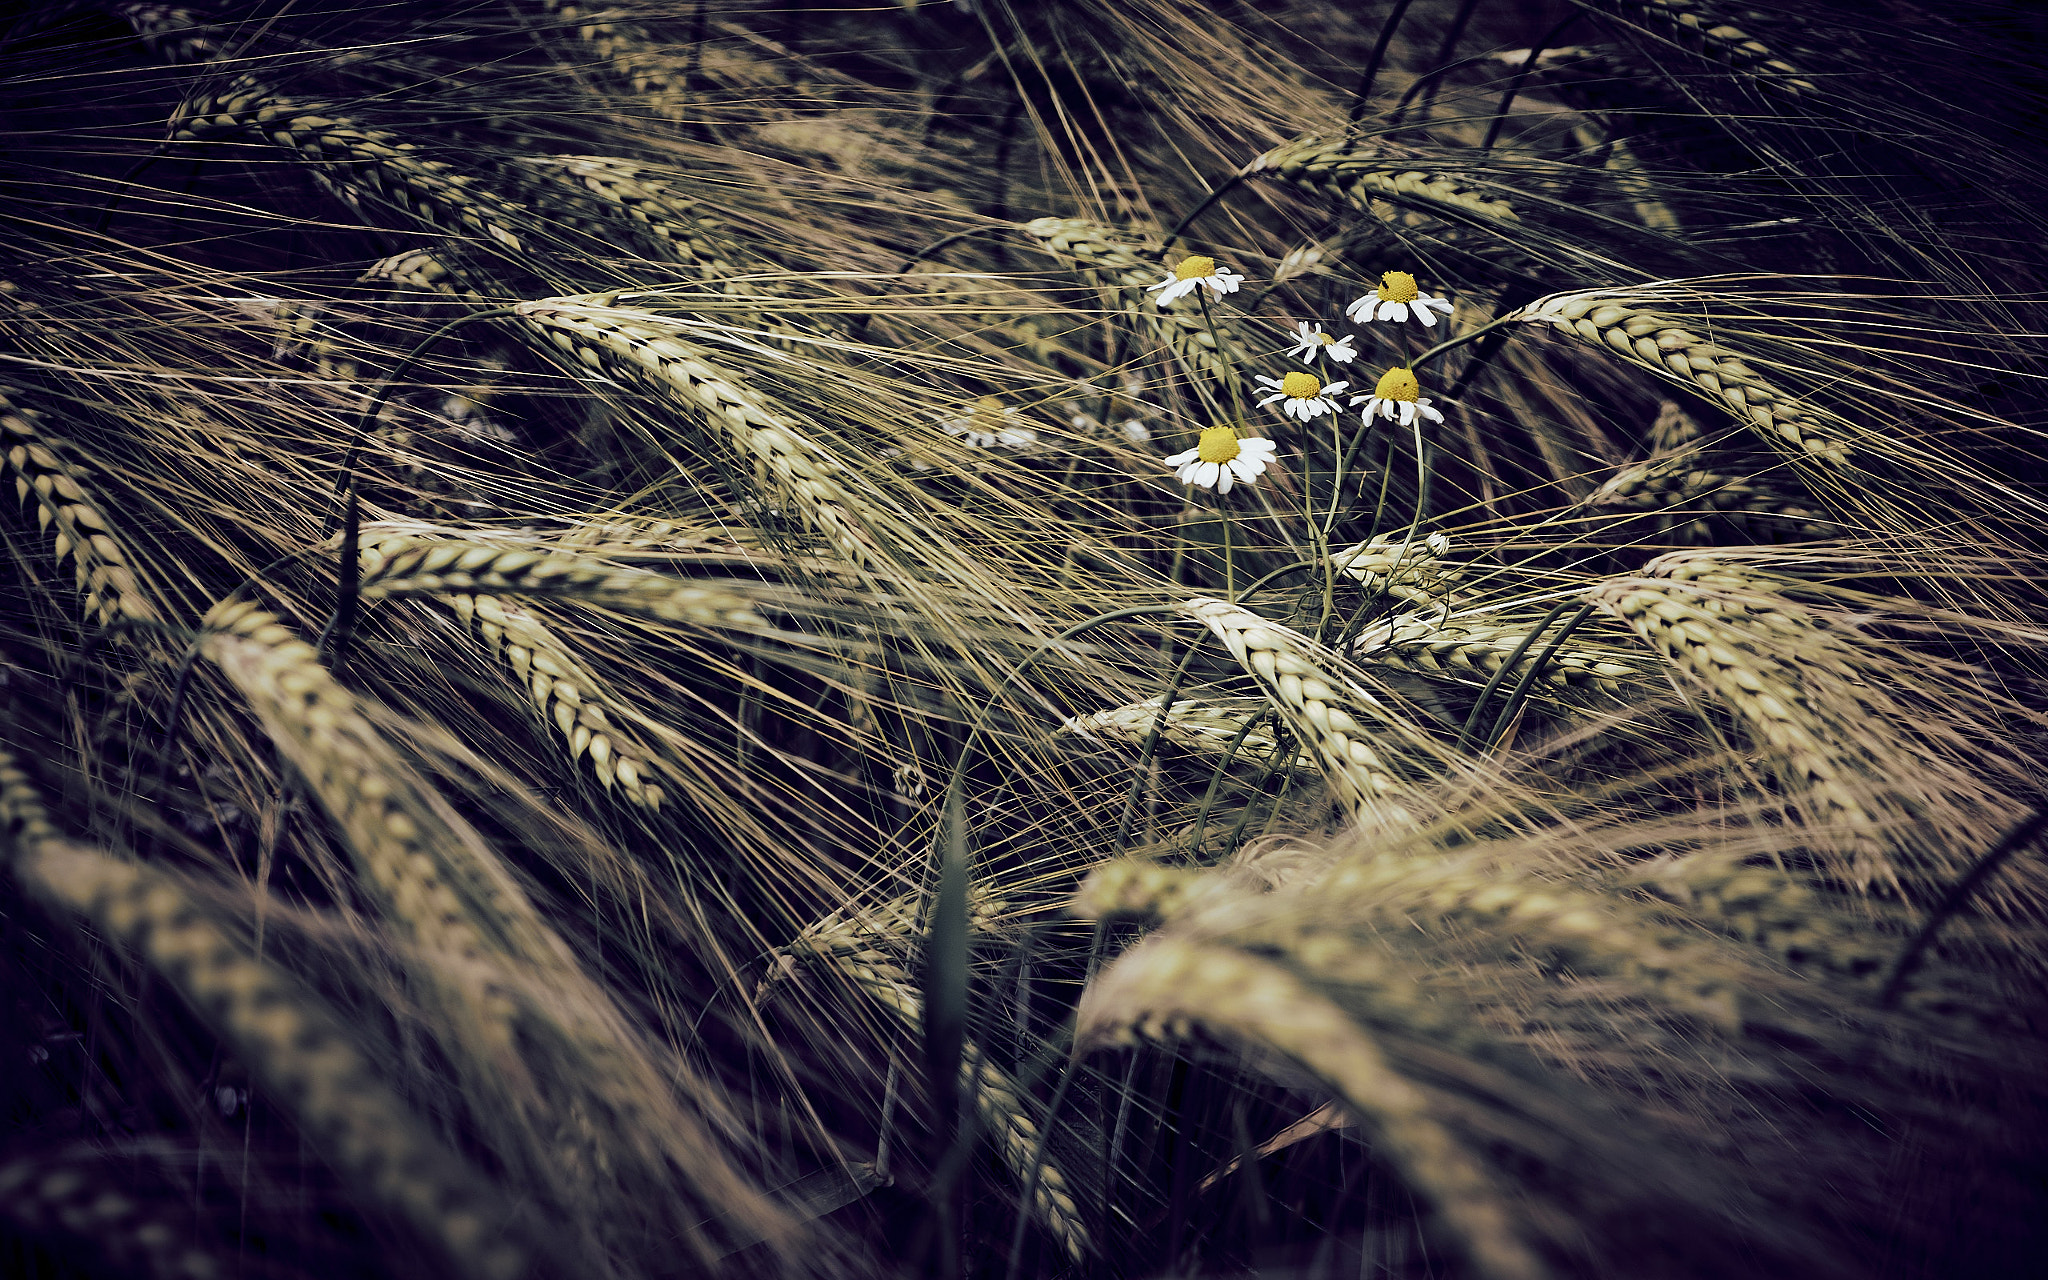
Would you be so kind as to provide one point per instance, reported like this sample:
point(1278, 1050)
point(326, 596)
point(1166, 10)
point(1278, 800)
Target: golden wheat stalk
point(518, 1005)
point(1167, 986)
point(36, 461)
point(291, 1043)
point(1400, 567)
point(355, 162)
point(77, 1195)
point(1620, 321)
point(1348, 726)
point(565, 694)
point(400, 564)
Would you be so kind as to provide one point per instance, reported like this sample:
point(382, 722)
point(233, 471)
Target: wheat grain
point(1614, 319)
point(1166, 987)
point(78, 1194)
point(399, 564)
point(358, 163)
point(1138, 889)
point(1198, 723)
point(1719, 38)
point(1400, 567)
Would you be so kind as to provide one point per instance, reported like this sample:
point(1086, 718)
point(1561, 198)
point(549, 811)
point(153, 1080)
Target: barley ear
point(1617, 320)
point(291, 1043)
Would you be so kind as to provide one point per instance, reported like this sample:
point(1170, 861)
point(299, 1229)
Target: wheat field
point(1100, 638)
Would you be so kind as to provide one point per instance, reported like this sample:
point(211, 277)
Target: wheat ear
point(297, 1049)
point(1400, 567)
point(1360, 175)
point(1165, 987)
point(1470, 649)
point(1207, 725)
point(1717, 37)
point(79, 1196)
point(648, 349)
point(497, 966)
point(36, 461)
point(356, 162)
point(1616, 320)
point(1323, 709)
point(403, 564)
point(562, 691)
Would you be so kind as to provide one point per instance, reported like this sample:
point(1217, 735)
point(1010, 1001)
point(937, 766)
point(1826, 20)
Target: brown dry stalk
point(1103, 261)
point(868, 946)
point(291, 1043)
point(1166, 987)
point(1324, 709)
point(649, 349)
point(1619, 321)
point(36, 461)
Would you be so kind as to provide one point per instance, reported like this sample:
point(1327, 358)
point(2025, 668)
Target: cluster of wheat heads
point(603, 671)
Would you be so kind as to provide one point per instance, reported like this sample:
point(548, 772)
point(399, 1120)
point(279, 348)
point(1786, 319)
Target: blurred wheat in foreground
point(1015, 640)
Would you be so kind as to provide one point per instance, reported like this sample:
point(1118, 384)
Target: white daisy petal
point(1422, 313)
point(1341, 350)
point(1184, 457)
point(1224, 481)
point(1206, 472)
point(1334, 388)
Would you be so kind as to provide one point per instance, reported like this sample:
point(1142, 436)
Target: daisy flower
point(1398, 396)
point(1195, 272)
point(1396, 299)
point(1303, 396)
point(1311, 341)
point(1221, 460)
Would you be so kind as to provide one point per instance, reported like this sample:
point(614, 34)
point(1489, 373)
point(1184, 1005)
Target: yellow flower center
point(1397, 286)
point(1326, 339)
point(1398, 384)
point(1219, 444)
point(1195, 269)
point(1301, 386)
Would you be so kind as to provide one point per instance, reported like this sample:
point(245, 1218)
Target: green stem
point(1449, 344)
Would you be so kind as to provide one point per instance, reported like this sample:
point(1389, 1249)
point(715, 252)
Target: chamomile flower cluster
point(1223, 458)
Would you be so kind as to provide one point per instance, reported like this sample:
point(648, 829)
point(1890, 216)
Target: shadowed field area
point(1102, 638)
